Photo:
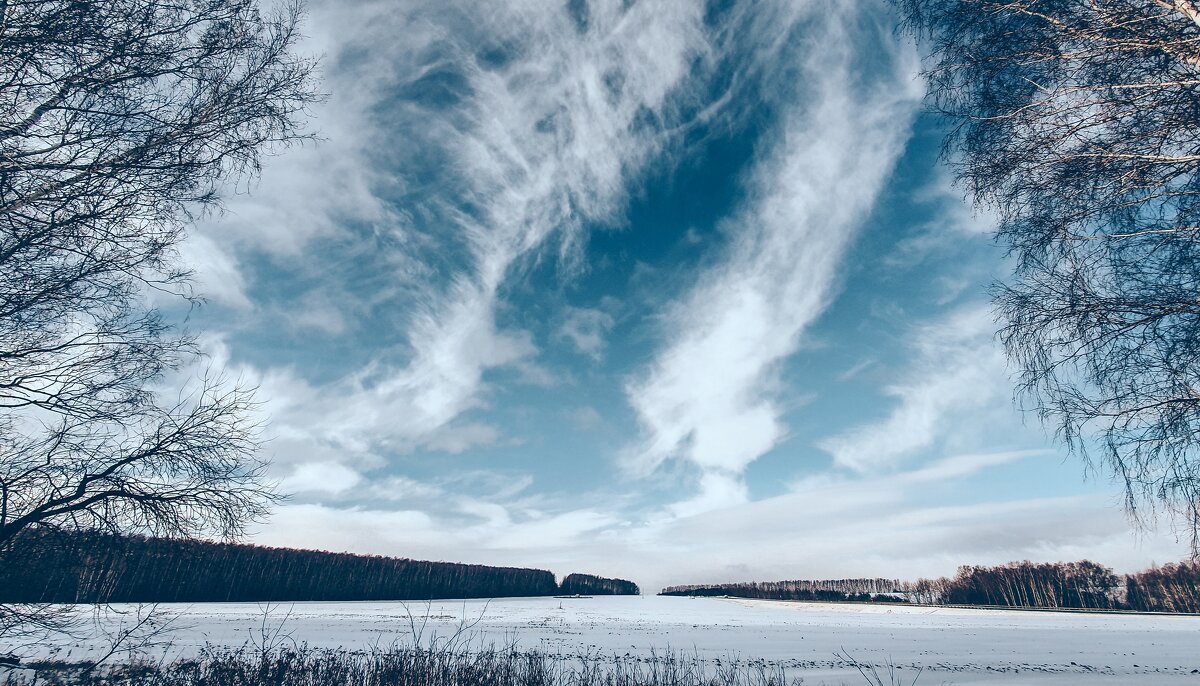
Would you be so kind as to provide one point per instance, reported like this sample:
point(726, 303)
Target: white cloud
point(216, 275)
point(459, 438)
point(402, 532)
point(958, 370)
point(965, 465)
point(716, 491)
point(887, 525)
point(314, 190)
point(957, 213)
point(358, 419)
point(956, 223)
point(586, 329)
point(709, 396)
point(320, 311)
point(502, 486)
point(545, 140)
point(568, 529)
point(492, 534)
point(402, 488)
point(453, 349)
point(542, 141)
point(585, 418)
point(321, 477)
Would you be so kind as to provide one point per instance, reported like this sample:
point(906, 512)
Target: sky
point(674, 291)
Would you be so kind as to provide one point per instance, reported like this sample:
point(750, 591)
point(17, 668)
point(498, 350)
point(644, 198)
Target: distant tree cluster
point(1074, 585)
point(588, 584)
point(53, 566)
point(1026, 584)
point(1080, 585)
point(832, 590)
point(1169, 588)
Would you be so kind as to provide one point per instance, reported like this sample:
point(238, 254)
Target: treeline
point(1075, 585)
point(53, 566)
point(830, 590)
point(588, 584)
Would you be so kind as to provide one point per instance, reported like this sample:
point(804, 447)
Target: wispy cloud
point(532, 124)
point(319, 190)
point(321, 477)
point(553, 136)
point(217, 275)
point(710, 394)
point(586, 329)
point(958, 371)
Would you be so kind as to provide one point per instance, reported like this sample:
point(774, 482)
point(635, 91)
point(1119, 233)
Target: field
point(811, 640)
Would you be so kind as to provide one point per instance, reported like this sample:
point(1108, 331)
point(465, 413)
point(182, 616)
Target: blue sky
point(674, 291)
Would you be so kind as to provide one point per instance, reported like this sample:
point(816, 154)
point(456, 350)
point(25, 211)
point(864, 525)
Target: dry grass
point(440, 665)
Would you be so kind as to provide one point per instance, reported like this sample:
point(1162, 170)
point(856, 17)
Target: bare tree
point(120, 120)
point(1076, 121)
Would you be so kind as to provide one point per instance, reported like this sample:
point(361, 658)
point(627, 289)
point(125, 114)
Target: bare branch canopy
point(1075, 121)
point(121, 120)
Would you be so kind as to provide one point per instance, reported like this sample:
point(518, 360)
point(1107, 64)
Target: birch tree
point(1076, 122)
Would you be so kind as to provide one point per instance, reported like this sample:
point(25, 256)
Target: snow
point(954, 646)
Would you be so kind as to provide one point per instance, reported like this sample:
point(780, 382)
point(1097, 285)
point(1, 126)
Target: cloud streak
point(957, 369)
point(709, 397)
point(484, 140)
point(552, 139)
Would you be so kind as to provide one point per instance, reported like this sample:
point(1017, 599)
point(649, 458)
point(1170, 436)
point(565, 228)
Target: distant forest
point(832, 590)
point(1079, 585)
point(54, 566)
point(586, 584)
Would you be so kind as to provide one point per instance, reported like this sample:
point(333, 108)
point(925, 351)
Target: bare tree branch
point(1076, 122)
point(120, 120)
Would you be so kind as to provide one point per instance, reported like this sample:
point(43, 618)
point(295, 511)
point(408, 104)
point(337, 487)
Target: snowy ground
point(954, 646)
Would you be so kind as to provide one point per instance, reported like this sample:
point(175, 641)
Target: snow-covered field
point(954, 646)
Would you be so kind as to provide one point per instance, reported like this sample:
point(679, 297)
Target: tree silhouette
point(120, 121)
